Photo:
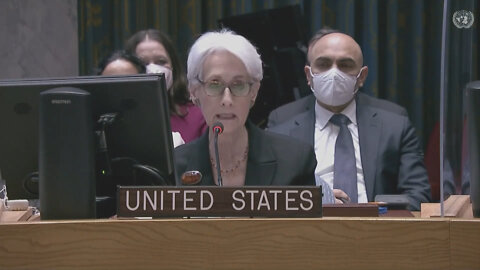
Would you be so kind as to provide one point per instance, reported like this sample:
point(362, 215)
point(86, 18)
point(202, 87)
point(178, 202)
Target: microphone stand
point(217, 158)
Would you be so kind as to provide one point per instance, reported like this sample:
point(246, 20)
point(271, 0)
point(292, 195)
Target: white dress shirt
point(325, 137)
point(177, 139)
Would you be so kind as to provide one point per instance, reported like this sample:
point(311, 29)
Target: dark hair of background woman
point(179, 94)
point(120, 54)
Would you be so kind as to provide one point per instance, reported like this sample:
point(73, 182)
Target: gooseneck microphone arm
point(217, 160)
point(217, 129)
point(104, 121)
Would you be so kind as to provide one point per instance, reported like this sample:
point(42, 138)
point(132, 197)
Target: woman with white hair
point(224, 72)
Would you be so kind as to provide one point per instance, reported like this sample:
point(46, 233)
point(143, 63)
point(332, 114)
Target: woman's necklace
point(237, 163)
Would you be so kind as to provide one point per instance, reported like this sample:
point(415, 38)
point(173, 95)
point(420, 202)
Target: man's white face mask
point(155, 69)
point(334, 87)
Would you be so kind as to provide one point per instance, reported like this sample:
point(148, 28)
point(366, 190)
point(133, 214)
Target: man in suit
point(385, 155)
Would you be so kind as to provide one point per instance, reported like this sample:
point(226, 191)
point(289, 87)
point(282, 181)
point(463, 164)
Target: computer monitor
point(141, 131)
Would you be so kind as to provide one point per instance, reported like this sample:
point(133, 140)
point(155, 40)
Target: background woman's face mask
point(155, 69)
point(333, 87)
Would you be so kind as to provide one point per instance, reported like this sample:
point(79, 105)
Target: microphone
point(217, 129)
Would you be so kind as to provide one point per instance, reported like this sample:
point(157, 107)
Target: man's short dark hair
point(319, 34)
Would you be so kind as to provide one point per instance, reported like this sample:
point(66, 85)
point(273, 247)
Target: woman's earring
point(194, 100)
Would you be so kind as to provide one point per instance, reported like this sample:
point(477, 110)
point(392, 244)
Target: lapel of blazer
point(199, 160)
point(262, 162)
point(304, 124)
point(369, 128)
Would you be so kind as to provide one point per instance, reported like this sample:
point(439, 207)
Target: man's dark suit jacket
point(273, 159)
point(391, 157)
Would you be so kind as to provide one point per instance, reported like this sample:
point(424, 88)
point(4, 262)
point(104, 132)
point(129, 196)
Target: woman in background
point(120, 63)
point(224, 74)
point(155, 49)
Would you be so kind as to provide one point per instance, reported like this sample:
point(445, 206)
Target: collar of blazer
point(261, 164)
point(369, 131)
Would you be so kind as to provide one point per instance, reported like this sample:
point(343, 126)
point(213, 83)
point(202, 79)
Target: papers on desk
point(16, 210)
point(328, 197)
point(18, 216)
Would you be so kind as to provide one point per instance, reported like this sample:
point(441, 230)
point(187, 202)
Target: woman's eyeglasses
point(216, 88)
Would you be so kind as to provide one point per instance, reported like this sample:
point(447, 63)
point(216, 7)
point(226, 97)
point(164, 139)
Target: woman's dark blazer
point(273, 159)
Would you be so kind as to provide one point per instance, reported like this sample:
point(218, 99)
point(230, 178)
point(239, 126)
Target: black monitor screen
point(140, 132)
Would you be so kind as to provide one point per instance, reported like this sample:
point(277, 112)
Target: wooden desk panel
point(465, 244)
point(328, 243)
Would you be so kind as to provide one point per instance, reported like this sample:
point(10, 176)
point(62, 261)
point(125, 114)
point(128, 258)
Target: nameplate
point(250, 201)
